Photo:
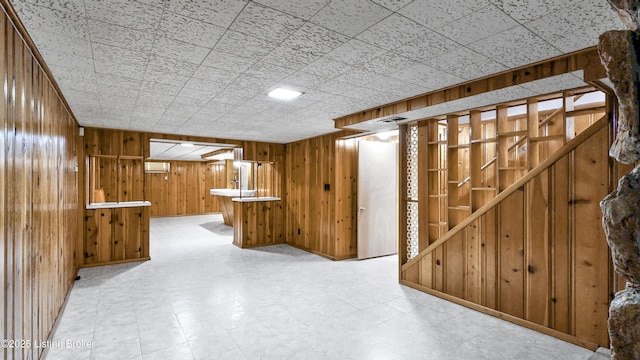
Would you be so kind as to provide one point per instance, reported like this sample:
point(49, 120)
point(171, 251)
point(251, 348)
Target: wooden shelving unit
point(458, 175)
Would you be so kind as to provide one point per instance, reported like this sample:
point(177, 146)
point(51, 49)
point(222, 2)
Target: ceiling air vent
point(392, 120)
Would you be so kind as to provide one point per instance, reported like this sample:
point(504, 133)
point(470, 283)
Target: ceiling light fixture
point(186, 144)
point(284, 94)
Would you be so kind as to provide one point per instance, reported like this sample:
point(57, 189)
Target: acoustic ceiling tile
point(179, 50)
point(129, 70)
point(266, 23)
point(478, 25)
point(196, 103)
point(189, 30)
point(438, 13)
point(392, 32)
point(243, 45)
point(132, 14)
point(154, 87)
point(576, 27)
point(119, 82)
point(303, 9)
point(43, 19)
point(466, 64)
point(515, 47)
point(350, 17)
point(290, 57)
point(218, 12)
point(393, 5)
point(120, 36)
point(75, 7)
point(165, 78)
point(154, 99)
point(303, 80)
point(209, 73)
point(355, 52)
point(224, 60)
point(162, 64)
point(59, 59)
point(198, 93)
point(313, 38)
point(326, 67)
point(426, 47)
point(336, 87)
point(358, 77)
point(103, 52)
point(525, 11)
point(388, 63)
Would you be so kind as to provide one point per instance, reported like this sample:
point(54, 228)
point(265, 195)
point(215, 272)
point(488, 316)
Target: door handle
point(361, 209)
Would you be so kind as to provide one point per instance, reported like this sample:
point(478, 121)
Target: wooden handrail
point(566, 149)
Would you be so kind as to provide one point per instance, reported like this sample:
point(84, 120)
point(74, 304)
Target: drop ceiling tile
point(129, 70)
point(165, 78)
point(392, 32)
point(66, 45)
point(212, 73)
point(336, 87)
point(216, 107)
point(196, 32)
point(200, 119)
point(555, 83)
point(364, 93)
point(525, 11)
point(350, 18)
point(327, 68)
point(176, 112)
point(426, 47)
point(303, 81)
point(355, 52)
point(428, 77)
point(303, 9)
point(154, 87)
point(179, 50)
point(388, 63)
point(576, 27)
point(147, 112)
point(290, 57)
point(515, 47)
point(358, 77)
point(466, 64)
point(116, 54)
point(266, 23)
point(123, 100)
point(38, 18)
point(316, 39)
point(199, 93)
point(132, 14)
point(480, 24)
point(80, 97)
point(120, 82)
point(60, 59)
point(170, 66)
point(228, 61)
point(75, 7)
point(316, 95)
point(217, 12)
point(210, 86)
point(245, 46)
point(437, 13)
point(390, 84)
point(269, 72)
point(73, 79)
point(120, 36)
point(393, 5)
point(154, 100)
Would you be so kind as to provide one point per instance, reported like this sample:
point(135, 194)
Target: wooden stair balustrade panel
point(536, 253)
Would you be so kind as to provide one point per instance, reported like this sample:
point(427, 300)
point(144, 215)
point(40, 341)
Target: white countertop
point(113, 205)
point(232, 192)
point(256, 199)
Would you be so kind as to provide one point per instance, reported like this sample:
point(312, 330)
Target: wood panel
point(257, 223)
point(543, 260)
point(321, 195)
point(39, 208)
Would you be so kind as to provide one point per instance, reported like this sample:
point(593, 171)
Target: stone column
point(621, 209)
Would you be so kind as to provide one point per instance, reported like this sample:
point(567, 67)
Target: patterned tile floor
point(202, 298)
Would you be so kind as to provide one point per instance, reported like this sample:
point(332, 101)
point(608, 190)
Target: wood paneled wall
point(538, 256)
point(321, 195)
point(39, 208)
point(184, 190)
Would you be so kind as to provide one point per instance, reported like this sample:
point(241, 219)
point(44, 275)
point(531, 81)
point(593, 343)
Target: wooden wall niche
point(39, 205)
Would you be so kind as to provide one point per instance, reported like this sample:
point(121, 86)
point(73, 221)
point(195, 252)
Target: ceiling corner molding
point(586, 60)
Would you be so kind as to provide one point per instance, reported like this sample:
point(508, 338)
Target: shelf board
point(514, 168)
point(462, 207)
point(487, 140)
point(439, 224)
point(514, 133)
point(436, 170)
point(484, 189)
point(546, 138)
point(458, 146)
point(437, 142)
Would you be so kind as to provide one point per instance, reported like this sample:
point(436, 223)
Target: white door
point(377, 199)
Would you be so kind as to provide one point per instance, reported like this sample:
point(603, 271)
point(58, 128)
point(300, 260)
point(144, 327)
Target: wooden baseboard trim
point(257, 245)
point(117, 262)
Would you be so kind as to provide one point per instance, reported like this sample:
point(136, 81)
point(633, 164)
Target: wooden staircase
point(535, 254)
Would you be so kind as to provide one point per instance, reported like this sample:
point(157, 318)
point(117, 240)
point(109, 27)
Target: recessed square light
point(284, 94)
